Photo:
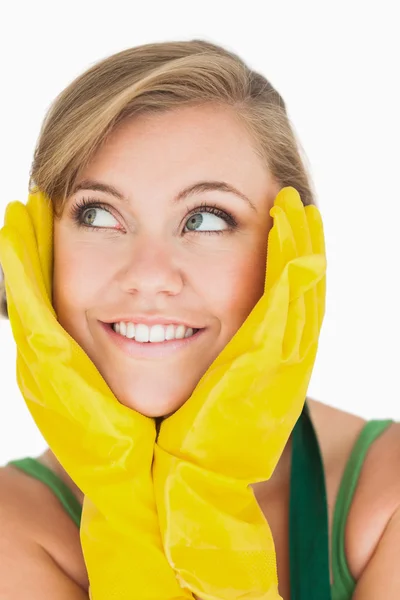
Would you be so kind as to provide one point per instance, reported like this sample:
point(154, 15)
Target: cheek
point(79, 276)
point(236, 285)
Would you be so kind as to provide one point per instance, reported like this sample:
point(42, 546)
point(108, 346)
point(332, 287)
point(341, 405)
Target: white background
point(337, 67)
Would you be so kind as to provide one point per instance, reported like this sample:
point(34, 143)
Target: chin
point(152, 410)
point(157, 406)
point(153, 390)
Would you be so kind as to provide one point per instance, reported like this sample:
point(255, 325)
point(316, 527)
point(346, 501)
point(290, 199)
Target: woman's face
point(154, 253)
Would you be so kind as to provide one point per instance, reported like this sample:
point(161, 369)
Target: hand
point(105, 447)
point(233, 429)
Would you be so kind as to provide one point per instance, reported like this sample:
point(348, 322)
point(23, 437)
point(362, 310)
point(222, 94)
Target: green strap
point(32, 467)
point(343, 582)
point(308, 516)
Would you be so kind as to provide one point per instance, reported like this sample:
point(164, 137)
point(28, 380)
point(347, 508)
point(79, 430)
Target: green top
point(35, 469)
point(308, 514)
point(344, 583)
point(308, 518)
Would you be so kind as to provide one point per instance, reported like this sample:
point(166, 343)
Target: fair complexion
point(145, 261)
point(156, 252)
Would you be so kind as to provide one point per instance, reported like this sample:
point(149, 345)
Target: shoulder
point(32, 517)
point(337, 432)
point(377, 496)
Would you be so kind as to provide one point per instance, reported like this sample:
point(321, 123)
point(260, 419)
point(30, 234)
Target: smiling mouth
point(153, 333)
point(152, 349)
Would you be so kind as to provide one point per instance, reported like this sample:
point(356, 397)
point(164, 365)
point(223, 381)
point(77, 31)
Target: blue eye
point(93, 214)
point(89, 215)
point(209, 221)
point(212, 219)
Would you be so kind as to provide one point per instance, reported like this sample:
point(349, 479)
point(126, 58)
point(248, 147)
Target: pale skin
point(146, 261)
point(144, 258)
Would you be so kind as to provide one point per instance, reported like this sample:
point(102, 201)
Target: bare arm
point(38, 554)
point(28, 571)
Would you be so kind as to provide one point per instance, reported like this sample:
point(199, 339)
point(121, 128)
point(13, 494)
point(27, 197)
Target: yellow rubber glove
point(106, 447)
point(233, 429)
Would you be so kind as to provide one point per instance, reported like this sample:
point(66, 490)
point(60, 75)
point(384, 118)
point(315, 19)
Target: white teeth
point(170, 332)
point(156, 333)
point(130, 331)
point(142, 333)
point(180, 332)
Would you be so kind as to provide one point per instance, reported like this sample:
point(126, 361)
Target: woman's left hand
point(233, 429)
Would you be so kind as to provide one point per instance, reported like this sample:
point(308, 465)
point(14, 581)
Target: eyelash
point(83, 204)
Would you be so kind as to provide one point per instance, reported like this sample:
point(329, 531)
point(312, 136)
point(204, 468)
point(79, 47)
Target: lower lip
point(150, 349)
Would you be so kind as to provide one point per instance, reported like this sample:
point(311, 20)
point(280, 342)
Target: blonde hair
point(160, 77)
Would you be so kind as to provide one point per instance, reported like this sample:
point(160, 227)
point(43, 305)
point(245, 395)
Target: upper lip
point(153, 320)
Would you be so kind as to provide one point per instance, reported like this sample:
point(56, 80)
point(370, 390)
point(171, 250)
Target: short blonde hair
point(153, 78)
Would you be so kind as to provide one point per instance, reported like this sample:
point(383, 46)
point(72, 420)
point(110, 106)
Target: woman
point(196, 184)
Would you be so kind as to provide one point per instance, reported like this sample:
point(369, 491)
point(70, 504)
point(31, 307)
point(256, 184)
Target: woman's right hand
point(105, 447)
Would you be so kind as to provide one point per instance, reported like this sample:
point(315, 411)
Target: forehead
point(178, 147)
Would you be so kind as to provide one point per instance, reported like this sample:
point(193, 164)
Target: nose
point(151, 268)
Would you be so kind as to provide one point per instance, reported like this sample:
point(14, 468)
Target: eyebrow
point(191, 190)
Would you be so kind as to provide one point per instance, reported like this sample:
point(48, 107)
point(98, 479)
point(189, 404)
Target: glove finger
point(20, 258)
point(307, 277)
point(303, 318)
point(289, 200)
point(281, 247)
point(40, 210)
point(318, 242)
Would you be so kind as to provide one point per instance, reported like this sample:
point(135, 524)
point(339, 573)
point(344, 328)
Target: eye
point(98, 217)
point(92, 214)
point(210, 219)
